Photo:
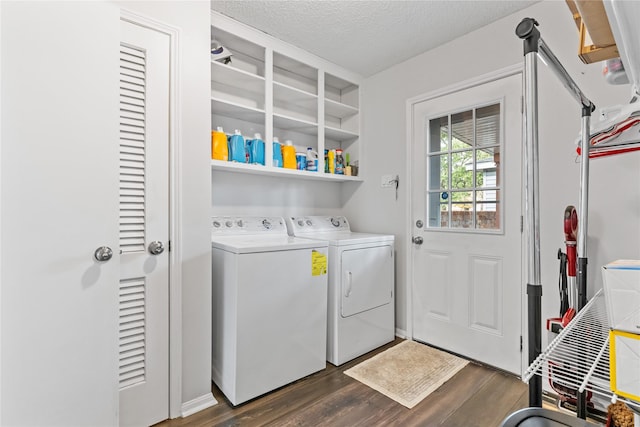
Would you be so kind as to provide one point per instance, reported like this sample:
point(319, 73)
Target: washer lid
point(345, 238)
point(256, 243)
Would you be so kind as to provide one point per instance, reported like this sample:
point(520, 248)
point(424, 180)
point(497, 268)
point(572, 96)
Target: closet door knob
point(103, 254)
point(156, 247)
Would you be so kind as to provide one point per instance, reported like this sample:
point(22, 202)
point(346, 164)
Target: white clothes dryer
point(269, 306)
point(361, 285)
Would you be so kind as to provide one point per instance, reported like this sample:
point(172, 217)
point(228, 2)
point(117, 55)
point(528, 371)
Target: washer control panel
point(316, 224)
point(247, 225)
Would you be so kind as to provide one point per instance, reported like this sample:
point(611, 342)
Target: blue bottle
point(256, 150)
point(237, 149)
point(277, 153)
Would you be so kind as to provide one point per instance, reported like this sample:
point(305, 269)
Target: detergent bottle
point(331, 159)
point(339, 162)
point(256, 150)
point(289, 155)
point(312, 160)
point(277, 153)
point(219, 147)
point(326, 161)
point(237, 149)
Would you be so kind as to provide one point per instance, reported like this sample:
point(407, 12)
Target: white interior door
point(144, 225)
point(466, 209)
point(58, 197)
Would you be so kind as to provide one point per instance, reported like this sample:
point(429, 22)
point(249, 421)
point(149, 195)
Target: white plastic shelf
point(578, 358)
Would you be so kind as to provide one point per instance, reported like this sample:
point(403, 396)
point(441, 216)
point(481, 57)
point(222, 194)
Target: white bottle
point(312, 160)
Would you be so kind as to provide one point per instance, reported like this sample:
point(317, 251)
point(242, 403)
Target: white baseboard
point(400, 333)
point(198, 404)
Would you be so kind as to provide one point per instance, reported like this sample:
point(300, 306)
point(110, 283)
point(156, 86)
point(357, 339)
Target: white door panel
point(59, 189)
point(144, 207)
point(467, 280)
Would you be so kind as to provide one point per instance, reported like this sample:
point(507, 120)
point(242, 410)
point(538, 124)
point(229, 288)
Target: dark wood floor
point(476, 396)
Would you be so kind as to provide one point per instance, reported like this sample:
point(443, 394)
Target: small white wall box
point(624, 364)
point(622, 294)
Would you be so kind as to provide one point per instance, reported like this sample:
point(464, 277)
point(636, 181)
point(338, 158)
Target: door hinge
point(169, 245)
point(521, 344)
point(521, 223)
point(521, 104)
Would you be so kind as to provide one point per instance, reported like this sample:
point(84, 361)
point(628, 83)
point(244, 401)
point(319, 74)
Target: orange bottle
point(219, 147)
point(289, 156)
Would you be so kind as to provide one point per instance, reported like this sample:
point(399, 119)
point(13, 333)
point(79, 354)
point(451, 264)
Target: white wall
point(192, 18)
point(614, 198)
point(244, 194)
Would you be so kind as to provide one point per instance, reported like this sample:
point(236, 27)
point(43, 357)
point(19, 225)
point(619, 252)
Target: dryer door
point(366, 279)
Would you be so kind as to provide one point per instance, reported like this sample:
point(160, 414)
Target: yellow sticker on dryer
point(318, 263)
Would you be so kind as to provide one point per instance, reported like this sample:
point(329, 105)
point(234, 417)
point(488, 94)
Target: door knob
point(417, 240)
point(156, 247)
point(103, 253)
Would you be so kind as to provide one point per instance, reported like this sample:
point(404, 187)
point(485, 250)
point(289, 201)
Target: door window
point(464, 170)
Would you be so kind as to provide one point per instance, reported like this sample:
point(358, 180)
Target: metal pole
point(527, 31)
point(552, 62)
point(583, 225)
point(533, 46)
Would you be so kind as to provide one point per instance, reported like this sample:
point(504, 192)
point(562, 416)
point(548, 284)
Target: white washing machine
point(361, 285)
point(269, 306)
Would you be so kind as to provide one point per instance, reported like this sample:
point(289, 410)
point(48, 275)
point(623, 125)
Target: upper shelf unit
point(341, 111)
point(238, 87)
point(280, 91)
point(295, 95)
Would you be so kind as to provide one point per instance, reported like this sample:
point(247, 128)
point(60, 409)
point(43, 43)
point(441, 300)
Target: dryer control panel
point(316, 224)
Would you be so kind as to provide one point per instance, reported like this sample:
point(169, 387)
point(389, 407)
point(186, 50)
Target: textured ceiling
point(367, 36)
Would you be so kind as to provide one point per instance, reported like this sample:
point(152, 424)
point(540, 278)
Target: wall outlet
point(388, 181)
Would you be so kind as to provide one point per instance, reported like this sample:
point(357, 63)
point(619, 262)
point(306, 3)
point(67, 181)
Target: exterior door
point(144, 226)
point(59, 194)
point(466, 209)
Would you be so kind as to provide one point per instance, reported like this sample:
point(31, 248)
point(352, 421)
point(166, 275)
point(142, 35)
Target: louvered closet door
point(144, 180)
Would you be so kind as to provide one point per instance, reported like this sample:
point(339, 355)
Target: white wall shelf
point(278, 90)
point(338, 109)
point(220, 165)
point(291, 123)
point(225, 108)
point(339, 134)
point(234, 77)
point(286, 94)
